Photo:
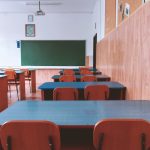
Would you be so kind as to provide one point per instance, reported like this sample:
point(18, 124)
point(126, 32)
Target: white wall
point(98, 25)
point(49, 27)
point(99, 19)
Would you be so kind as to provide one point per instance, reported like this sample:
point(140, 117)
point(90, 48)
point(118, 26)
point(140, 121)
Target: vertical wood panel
point(125, 56)
point(110, 15)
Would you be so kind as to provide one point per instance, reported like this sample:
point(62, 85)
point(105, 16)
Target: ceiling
point(48, 6)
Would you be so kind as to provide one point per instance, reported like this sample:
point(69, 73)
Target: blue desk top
point(91, 69)
point(76, 113)
point(79, 85)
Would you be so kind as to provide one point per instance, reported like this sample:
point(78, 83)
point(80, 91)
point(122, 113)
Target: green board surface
point(52, 53)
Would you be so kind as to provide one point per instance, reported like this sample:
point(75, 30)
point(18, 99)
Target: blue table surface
point(79, 76)
point(79, 85)
point(76, 113)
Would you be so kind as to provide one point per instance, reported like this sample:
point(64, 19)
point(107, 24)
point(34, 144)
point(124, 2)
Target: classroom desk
point(21, 78)
point(117, 90)
point(76, 118)
point(99, 77)
point(77, 72)
point(3, 92)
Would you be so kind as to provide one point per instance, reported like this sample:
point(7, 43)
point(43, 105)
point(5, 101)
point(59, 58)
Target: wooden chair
point(83, 68)
point(30, 135)
point(86, 72)
point(67, 78)
point(88, 78)
point(65, 93)
point(27, 75)
point(96, 92)
point(122, 134)
point(12, 80)
point(68, 72)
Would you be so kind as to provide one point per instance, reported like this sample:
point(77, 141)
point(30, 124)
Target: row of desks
point(76, 119)
point(76, 113)
point(117, 90)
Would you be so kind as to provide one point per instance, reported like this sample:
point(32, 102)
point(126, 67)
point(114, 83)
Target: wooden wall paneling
point(87, 61)
point(145, 53)
point(44, 75)
point(125, 56)
point(110, 15)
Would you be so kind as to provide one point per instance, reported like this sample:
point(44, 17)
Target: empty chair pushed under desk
point(68, 72)
point(88, 78)
point(122, 134)
point(67, 78)
point(96, 92)
point(65, 93)
point(30, 135)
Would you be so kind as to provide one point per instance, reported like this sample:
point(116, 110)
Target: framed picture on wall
point(30, 18)
point(30, 30)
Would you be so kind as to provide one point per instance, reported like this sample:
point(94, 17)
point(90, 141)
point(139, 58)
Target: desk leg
point(3, 93)
point(22, 86)
point(33, 81)
point(42, 95)
point(47, 94)
point(123, 93)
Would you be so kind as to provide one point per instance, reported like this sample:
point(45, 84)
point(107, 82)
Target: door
point(94, 50)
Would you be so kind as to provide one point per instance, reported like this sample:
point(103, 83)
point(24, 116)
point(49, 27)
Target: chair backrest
point(30, 135)
point(65, 93)
point(88, 78)
point(67, 78)
point(83, 68)
point(96, 92)
point(85, 72)
point(68, 72)
point(11, 74)
point(122, 134)
point(26, 72)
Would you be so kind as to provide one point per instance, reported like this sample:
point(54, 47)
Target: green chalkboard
point(52, 53)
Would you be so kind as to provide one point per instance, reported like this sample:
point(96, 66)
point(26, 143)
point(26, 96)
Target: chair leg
point(9, 89)
point(29, 85)
point(17, 89)
point(8, 143)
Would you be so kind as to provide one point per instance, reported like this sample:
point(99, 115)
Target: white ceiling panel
point(48, 6)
